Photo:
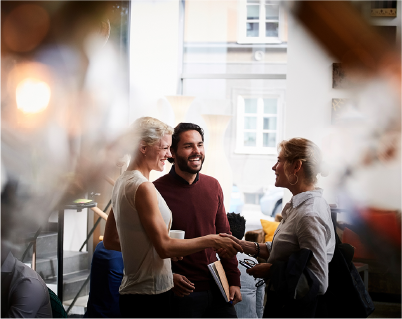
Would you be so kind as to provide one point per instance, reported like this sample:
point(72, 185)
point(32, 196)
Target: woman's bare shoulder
point(145, 189)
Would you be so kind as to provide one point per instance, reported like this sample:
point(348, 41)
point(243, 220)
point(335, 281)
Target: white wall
point(75, 228)
point(76, 224)
point(309, 90)
point(154, 56)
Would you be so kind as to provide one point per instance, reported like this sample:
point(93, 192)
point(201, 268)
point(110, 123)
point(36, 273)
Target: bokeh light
point(25, 27)
point(32, 95)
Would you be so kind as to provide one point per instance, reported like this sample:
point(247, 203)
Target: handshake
point(227, 246)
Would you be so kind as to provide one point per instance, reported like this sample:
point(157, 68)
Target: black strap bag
point(285, 276)
point(346, 296)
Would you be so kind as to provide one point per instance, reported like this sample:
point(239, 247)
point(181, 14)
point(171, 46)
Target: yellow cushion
point(269, 229)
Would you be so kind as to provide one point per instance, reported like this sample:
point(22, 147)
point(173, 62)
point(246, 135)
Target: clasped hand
point(224, 253)
point(227, 246)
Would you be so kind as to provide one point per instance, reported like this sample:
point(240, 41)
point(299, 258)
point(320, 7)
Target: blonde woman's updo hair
point(308, 153)
point(150, 130)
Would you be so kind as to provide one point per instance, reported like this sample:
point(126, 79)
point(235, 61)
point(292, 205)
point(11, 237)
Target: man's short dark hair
point(237, 225)
point(180, 128)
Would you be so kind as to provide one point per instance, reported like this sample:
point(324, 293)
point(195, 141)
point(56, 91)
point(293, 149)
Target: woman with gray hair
point(143, 222)
point(306, 223)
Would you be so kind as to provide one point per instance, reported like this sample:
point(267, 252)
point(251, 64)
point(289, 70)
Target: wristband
point(257, 251)
point(257, 246)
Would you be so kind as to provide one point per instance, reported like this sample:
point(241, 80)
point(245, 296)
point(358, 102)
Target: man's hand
point(235, 294)
point(231, 237)
point(176, 258)
point(182, 286)
point(260, 270)
point(222, 252)
point(227, 246)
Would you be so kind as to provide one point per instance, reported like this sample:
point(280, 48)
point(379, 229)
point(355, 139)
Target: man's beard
point(182, 163)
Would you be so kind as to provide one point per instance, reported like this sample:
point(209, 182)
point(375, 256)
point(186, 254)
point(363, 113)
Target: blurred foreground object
point(363, 147)
point(64, 104)
point(350, 39)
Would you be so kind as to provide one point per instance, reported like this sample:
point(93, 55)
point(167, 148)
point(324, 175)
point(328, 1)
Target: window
point(258, 124)
point(260, 21)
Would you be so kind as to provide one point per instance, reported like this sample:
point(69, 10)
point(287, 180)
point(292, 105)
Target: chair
point(361, 267)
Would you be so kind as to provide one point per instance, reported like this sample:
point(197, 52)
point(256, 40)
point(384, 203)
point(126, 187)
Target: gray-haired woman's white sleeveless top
point(144, 271)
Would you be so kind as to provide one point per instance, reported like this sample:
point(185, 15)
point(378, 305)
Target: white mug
point(179, 234)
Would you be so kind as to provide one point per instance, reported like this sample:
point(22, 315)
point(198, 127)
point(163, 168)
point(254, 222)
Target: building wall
point(211, 21)
point(251, 173)
point(210, 48)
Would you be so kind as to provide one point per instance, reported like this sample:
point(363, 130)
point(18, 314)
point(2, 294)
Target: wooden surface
point(255, 235)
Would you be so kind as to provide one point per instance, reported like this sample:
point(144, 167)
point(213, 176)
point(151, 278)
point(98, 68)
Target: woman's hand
point(231, 237)
point(182, 286)
point(260, 270)
point(223, 253)
point(247, 246)
point(227, 245)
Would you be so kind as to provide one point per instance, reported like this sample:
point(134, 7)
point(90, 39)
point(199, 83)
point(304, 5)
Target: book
point(219, 275)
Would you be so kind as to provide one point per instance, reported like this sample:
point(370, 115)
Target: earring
point(297, 179)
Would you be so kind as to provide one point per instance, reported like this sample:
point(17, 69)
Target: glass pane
point(271, 29)
point(250, 105)
point(269, 123)
point(253, 1)
point(253, 12)
point(250, 123)
point(272, 12)
point(270, 106)
point(250, 139)
point(269, 140)
point(252, 30)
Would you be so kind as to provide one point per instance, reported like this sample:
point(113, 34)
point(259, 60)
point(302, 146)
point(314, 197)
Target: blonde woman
point(306, 223)
point(143, 221)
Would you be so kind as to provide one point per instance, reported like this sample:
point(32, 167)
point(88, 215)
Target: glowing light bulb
point(33, 95)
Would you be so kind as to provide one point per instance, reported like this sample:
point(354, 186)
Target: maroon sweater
point(198, 210)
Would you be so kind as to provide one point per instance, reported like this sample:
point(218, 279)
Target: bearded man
point(196, 202)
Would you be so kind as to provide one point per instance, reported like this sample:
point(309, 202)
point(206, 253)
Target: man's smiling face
point(190, 152)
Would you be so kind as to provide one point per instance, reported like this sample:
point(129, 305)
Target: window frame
point(240, 115)
point(242, 24)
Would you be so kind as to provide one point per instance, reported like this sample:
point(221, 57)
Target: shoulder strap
point(347, 250)
point(338, 240)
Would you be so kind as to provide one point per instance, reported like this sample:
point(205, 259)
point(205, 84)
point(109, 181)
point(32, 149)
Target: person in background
point(252, 304)
point(24, 294)
point(143, 220)
point(306, 224)
point(106, 276)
